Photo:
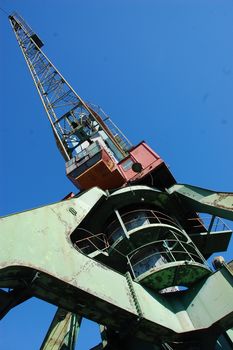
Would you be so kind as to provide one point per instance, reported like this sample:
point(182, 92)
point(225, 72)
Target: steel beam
point(36, 251)
point(203, 200)
point(62, 332)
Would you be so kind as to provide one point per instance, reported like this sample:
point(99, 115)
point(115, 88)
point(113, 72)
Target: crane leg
point(63, 331)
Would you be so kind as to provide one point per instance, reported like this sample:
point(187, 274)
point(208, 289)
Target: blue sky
point(163, 71)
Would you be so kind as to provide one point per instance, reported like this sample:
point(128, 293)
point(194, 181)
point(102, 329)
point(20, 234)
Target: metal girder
point(203, 200)
point(12, 298)
point(62, 332)
point(36, 249)
point(64, 107)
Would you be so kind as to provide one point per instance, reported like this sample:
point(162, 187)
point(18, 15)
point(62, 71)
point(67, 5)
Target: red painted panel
point(101, 170)
point(103, 174)
point(142, 154)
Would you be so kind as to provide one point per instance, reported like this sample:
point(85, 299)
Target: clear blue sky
point(163, 71)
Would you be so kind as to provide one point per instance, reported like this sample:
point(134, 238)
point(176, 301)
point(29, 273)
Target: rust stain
point(221, 197)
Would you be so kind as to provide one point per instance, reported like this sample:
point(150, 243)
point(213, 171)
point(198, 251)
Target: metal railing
point(210, 222)
point(118, 135)
point(137, 218)
point(162, 252)
point(85, 154)
point(91, 243)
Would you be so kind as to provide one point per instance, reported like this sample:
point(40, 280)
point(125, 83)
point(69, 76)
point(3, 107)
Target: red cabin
point(97, 166)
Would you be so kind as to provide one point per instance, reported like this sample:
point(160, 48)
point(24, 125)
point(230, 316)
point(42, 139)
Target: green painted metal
point(37, 252)
point(203, 200)
point(180, 273)
point(183, 272)
point(63, 331)
point(175, 199)
point(217, 290)
point(230, 334)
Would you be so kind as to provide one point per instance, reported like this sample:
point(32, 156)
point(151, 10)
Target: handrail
point(161, 216)
point(217, 223)
point(167, 257)
point(152, 215)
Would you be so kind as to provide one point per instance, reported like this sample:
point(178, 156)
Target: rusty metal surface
point(204, 200)
point(230, 266)
point(37, 252)
point(56, 272)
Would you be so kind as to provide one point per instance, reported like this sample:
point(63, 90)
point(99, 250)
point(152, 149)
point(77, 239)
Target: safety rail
point(210, 222)
point(118, 135)
point(159, 253)
point(142, 217)
point(91, 243)
point(82, 156)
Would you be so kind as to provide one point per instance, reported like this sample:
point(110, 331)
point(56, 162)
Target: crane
point(96, 152)
point(132, 246)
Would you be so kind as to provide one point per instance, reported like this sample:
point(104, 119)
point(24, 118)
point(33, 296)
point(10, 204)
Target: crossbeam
point(37, 248)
